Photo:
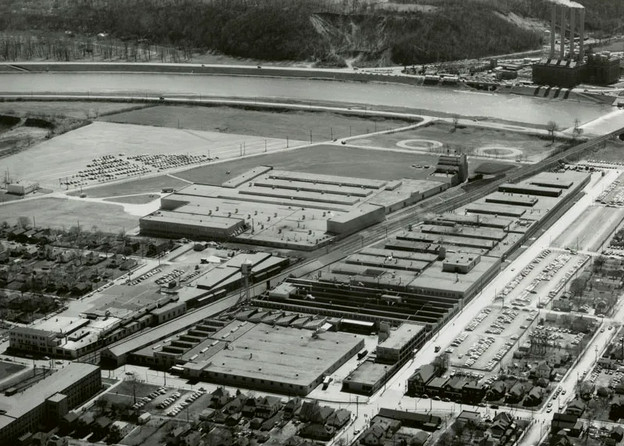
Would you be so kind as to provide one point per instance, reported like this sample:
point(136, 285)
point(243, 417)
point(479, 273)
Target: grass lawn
point(134, 199)
point(469, 140)
point(612, 151)
point(492, 168)
point(142, 186)
point(65, 213)
point(322, 159)
point(296, 125)
point(7, 369)
point(72, 109)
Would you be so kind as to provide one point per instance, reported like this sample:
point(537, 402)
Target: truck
point(144, 418)
point(437, 348)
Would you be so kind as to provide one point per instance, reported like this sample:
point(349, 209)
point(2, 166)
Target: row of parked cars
point(146, 399)
point(169, 277)
point(187, 401)
point(143, 277)
point(474, 323)
point(170, 161)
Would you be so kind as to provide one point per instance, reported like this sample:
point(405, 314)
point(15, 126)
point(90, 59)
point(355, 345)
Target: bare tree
point(552, 127)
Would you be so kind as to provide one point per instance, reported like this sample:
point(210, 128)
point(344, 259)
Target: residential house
point(561, 421)
point(468, 417)
point(535, 396)
point(502, 426)
point(497, 390)
point(291, 407)
point(576, 407)
point(417, 382)
point(268, 406)
point(473, 392)
point(516, 393)
point(339, 418)
point(317, 431)
point(454, 388)
point(219, 398)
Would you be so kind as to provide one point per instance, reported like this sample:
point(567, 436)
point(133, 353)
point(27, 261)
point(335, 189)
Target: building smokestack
point(553, 25)
point(581, 34)
point(563, 33)
point(572, 17)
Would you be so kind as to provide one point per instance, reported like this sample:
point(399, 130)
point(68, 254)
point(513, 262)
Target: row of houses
point(428, 382)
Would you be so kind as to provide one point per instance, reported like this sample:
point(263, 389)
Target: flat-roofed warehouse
point(278, 359)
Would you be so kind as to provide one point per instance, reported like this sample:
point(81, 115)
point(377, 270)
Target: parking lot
point(613, 195)
point(493, 333)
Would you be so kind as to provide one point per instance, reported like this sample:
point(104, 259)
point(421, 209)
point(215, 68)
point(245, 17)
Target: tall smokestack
point(572, 17)
point(581, 34)
point(553, 25)
point(563, 32)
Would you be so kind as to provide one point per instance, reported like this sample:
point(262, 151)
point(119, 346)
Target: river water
point(465, 103)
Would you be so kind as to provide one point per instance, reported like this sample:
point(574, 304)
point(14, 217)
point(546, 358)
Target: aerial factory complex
point(414, 255)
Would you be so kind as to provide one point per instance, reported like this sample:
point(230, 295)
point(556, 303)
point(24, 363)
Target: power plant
point(568, 69)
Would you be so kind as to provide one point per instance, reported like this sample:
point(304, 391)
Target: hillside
point(325, 32)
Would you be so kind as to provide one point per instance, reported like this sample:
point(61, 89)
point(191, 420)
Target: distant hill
point(326, 32)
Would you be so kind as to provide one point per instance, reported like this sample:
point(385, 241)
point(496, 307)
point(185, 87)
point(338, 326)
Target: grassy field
point(274, 124)
point(142, 186)
point(65, 155)
point(59, 213)
point(612, 151)
point(323, 159)
point(470, 140)
point(7, 369)
point(134, 199)
point(72, 109)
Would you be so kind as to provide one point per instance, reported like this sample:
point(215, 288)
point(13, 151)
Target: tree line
point(174, 30)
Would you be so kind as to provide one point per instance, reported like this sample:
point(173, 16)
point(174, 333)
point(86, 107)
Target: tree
point(552, 127)
point(577, 286)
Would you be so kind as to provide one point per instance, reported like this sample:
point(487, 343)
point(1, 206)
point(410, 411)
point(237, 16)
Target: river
point(446, 100)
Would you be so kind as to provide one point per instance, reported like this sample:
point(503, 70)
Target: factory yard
point(441, 137)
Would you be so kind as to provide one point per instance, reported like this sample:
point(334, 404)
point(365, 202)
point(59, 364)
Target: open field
point(441, 137)
point(64, 156)
point(295, 125)
point(72, 109)
point(591, 229)
point(134, 199)
point(323, 159)
point(59, 212)
point(142, 186)
point(611, 152)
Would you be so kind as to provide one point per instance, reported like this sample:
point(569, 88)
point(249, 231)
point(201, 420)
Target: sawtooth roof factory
point(284, 209)
point(426, 273)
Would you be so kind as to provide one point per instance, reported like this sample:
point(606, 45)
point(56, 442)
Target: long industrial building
point(427, 273)
point(283, 209)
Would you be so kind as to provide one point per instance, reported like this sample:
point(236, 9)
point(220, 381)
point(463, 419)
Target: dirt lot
point(79, 110)
point(296, 125)
point(438, 137)
point(591, 229)
point(59, 213)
